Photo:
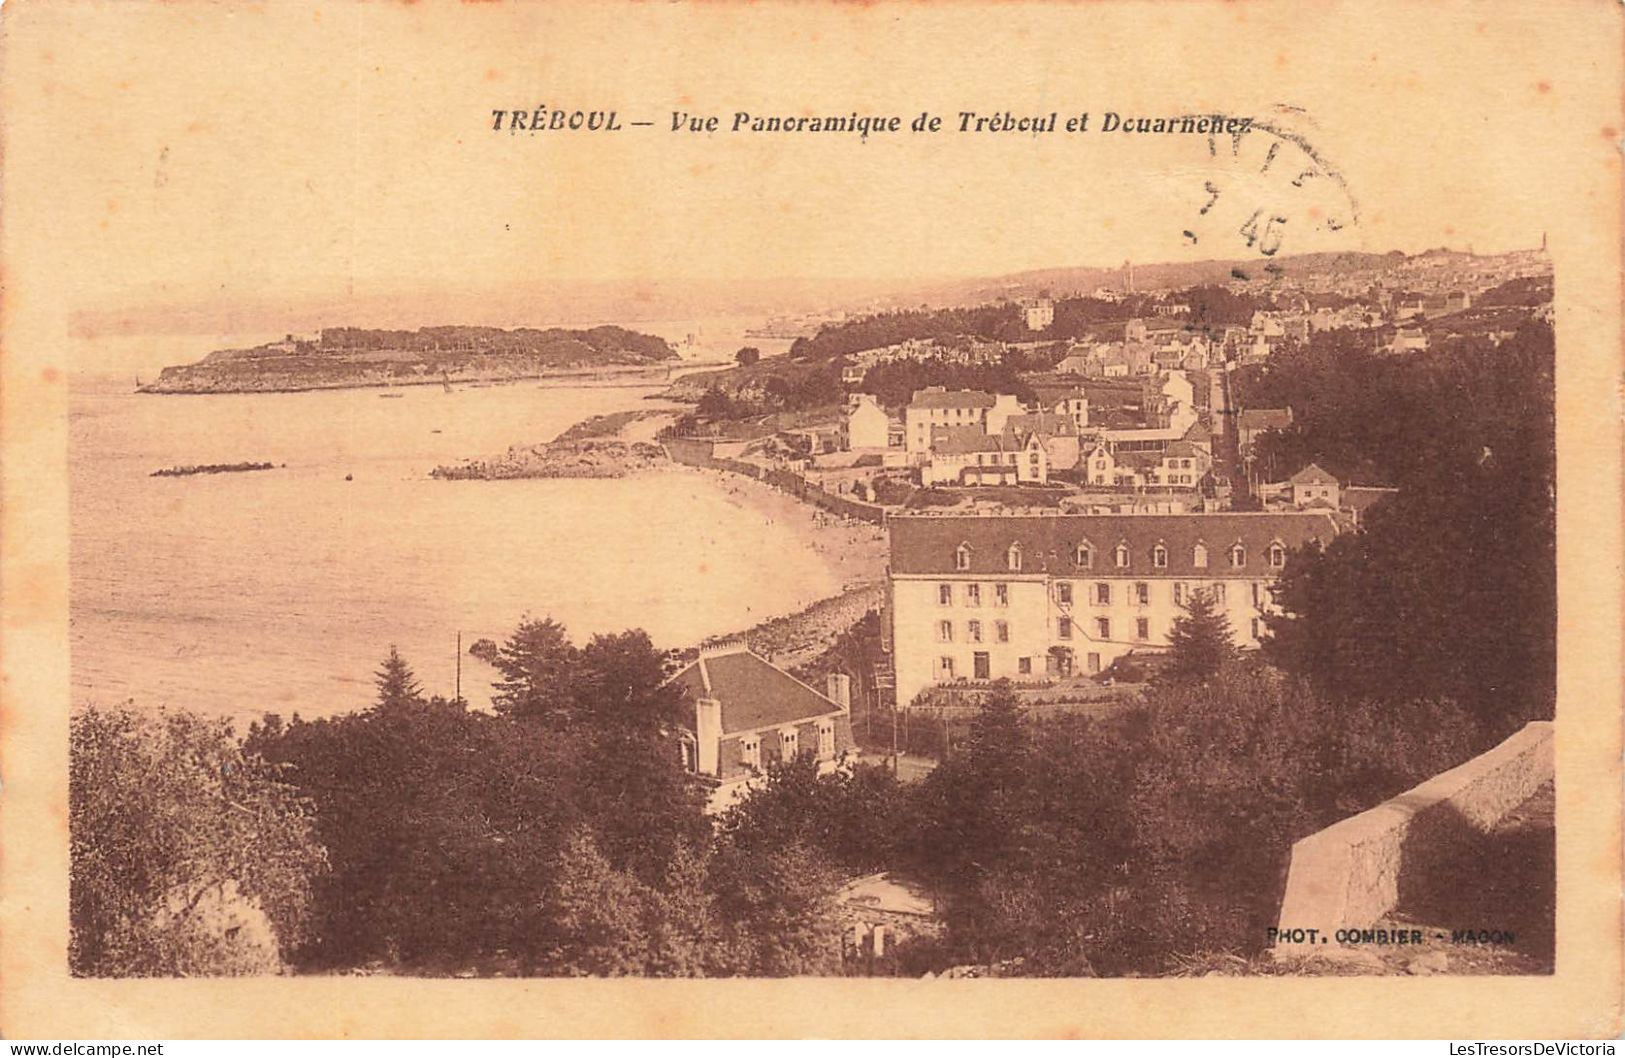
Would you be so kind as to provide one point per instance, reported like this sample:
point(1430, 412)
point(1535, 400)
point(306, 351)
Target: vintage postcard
point(810, 520)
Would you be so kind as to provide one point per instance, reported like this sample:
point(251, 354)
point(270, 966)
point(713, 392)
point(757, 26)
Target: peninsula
point(348, 357)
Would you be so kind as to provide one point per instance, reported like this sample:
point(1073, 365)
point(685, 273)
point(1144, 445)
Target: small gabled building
point(1313, 486)
point(748, 713)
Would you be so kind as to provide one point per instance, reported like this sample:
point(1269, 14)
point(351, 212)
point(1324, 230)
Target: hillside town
point(1055, 517)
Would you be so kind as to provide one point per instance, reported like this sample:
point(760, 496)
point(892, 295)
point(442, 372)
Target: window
point(1218, 593)
point(1179, 593)
point(1238, 556)
point(945, 594)
point(1063, 593)
point(1277, 556)
point(1258, 594)
point(1001, 631)
point(945, 666)
point(973, 595)
point(1142, 593)
point(1255, 628)
point(1159, 557)
point(1063, 628)
point(1199, 556)
point(750, 751)
point(1122, 556)
point(1103, 594)
point(962, 557)
point(1085, 556)
point(973, 631)
point(1013, 558)
point(1142, 627)
point(981, 665)
point(1001, 595)
point(826, 739)
point(945, 631)
point(1024, 666)
point(691, 754)
point(1103, 627)
point(788, 742)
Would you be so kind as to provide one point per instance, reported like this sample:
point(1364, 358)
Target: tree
point(395, 682)
point(188, 855)
point(537, 665)
point(714, 403)
point(1200, 640)
point(748, 356)
point(595, 915)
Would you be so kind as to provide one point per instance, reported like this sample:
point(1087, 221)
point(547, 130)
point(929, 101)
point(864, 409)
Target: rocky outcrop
point(568, 459)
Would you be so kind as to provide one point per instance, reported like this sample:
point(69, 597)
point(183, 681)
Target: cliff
point(343, 357)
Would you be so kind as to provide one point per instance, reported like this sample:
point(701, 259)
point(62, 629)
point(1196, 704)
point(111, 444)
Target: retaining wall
point(696, 453)
point(1347, 876)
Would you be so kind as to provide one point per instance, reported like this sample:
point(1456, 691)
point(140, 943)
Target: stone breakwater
point(571, 459)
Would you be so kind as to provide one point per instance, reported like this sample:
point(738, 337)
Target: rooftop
point(938, 397)
point(1312, 475)
point(753, 693)
point(929, 544)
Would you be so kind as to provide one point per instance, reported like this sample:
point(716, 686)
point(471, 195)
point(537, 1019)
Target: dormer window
point(1121, 556)
point(788, 743)
point(1238, 556)
point(1277, 555)
point(1159, 557)
point(1199, 556)
point(1013, 558)
point(1085, 556)
point(750, 751)
point(962, 557)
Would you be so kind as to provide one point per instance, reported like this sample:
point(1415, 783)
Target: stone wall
point(1348, 875)
point(699, 453)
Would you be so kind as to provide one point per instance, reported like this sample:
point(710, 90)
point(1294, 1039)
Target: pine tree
point(396, 684)
point(1200, 642)
point(538, 664)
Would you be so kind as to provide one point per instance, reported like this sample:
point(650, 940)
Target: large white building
point(935, 406)
point(1032, 597)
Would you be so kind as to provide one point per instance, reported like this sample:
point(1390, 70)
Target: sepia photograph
point(1088, 622)
point(502, 495)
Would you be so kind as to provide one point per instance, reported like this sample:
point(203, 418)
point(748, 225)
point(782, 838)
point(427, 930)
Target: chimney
point(840, 690)
point(708, 735)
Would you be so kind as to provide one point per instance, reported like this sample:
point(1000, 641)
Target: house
point(1074, 405)
point(1056, 433)
point(1408, 340)
point(966, 455)
point(747, 713)
point(1042, 596)
point(1040, 313)
point(1312, 485)
point(935, 406)
point(1183, 465)
point(867, 425)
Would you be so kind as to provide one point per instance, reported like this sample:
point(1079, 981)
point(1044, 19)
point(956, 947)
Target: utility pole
point(459, 665)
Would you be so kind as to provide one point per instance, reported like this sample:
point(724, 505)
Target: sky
point(208, 167)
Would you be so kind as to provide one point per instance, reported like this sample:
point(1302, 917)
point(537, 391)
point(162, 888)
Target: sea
point(280, 591)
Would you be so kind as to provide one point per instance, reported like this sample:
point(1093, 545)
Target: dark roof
point(937, 397)
point(753, 692)
point(1040, 423)
point(959, 440)
point(927, 544)
point(1265, 419)
point(1312, 475)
